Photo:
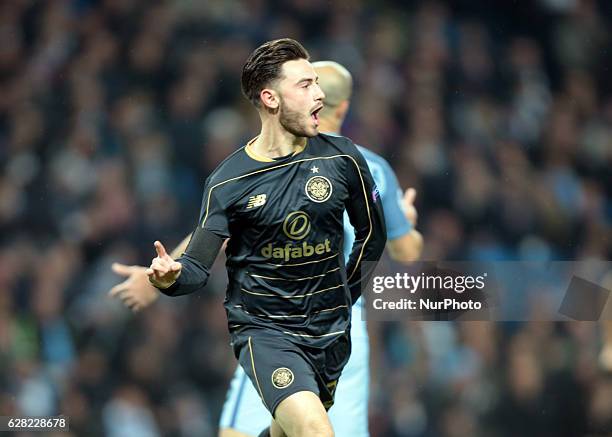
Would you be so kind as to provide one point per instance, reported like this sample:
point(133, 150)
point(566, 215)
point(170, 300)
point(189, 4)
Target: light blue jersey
point(243, 409)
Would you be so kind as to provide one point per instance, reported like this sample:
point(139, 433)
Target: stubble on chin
point(294, 123)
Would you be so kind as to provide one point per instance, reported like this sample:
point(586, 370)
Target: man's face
point(301, 99)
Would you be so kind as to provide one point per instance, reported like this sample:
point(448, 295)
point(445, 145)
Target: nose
point(319, 95)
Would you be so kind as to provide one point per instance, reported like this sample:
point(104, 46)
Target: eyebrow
point(307, 79)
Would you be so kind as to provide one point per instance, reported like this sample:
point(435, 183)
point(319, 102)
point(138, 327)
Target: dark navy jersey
point(284, 221)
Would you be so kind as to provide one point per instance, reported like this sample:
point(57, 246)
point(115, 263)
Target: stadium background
point(113, 112)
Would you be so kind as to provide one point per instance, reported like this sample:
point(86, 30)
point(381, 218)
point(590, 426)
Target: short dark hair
point(264, 65)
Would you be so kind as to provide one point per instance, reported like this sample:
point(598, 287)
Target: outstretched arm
point(136, 292)
point(198, 251)
point(190, 271)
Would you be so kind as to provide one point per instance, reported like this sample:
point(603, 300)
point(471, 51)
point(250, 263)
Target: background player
point(243, 413)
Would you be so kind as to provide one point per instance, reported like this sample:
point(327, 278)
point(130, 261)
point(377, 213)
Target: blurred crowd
point(113, 112)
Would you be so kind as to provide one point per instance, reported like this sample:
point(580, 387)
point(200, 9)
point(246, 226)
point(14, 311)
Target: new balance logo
point(256, 201)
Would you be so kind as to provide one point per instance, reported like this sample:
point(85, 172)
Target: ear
point(269, 98)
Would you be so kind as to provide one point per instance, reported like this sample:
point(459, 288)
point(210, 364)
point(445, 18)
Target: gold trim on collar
point(254, 155)
point(261, 158)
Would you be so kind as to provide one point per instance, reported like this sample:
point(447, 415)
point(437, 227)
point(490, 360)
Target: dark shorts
point(278, 368)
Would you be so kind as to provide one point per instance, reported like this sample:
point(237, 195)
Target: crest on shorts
point(318, 189)
point(282, 377)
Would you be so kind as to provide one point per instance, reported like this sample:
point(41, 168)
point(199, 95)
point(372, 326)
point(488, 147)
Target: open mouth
point(315, 115)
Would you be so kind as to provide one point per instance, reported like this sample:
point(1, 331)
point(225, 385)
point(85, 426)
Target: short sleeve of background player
point(392, 196)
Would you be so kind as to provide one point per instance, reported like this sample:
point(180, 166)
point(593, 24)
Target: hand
point(136, 292)
point(164, 271)
point(408, 204)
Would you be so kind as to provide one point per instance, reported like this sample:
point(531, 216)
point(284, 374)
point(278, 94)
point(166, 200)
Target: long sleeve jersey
point(284, 221)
